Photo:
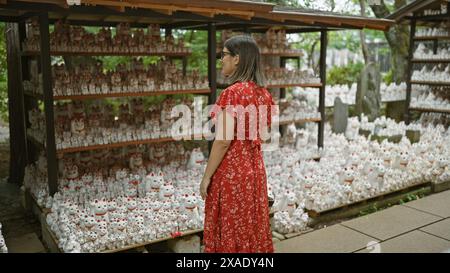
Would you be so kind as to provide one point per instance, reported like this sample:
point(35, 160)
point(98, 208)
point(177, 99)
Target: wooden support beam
point(46, 70)
point(323, 81)
point(206, 14)
point(119, 9)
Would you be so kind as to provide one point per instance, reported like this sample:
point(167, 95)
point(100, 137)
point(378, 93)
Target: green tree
point(397, 37)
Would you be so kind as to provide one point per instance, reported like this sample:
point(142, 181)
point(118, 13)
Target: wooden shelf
point(313, 85)
point(183, 233)
point(116, 145)
point(123, 94)
point(54, 241)
point(105, 146)
point(132, 94)
point(313, 213)
point(286, 122)
point(431, 83)
point(286, 54)
point(430, 61)
point(431, 38)
point(387, 101)
point(443, 111)
point(85, 53)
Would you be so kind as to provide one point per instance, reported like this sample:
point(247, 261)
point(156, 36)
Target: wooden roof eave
point(204, 11)
point(409, 9)
point(378, 24)
point(215, 4)
point(316, 22)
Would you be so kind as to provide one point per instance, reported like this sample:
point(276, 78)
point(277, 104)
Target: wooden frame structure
point(414, 13)
point(209, 16)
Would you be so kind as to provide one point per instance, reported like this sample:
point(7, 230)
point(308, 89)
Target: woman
point(234, 183)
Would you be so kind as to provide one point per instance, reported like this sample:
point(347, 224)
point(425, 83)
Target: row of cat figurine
point(67, 38)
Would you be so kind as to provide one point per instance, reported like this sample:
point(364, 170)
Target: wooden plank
point(132, 94)
point(285, 54)
point(323, 80)
point(17, 115)
point(355, 210)
point(444, 111)
point(431, 83)
point(46, 70)
point(305, 85)
point(185, 233)
point(276, 54)
point(380, 196)
point(52, 242)
point(425, 38)
point(49, 239)
point(299, 121)
point(438, 187)
point(169, 7)
point(103, 53)
point(118, 144)
point(312, 85)
point(430, 61)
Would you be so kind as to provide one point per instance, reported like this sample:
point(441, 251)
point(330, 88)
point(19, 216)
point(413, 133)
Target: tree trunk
point(311, 56)
point(362, 35)
point(398, 40)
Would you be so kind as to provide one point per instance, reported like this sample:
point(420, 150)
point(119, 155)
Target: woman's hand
point(204, 187)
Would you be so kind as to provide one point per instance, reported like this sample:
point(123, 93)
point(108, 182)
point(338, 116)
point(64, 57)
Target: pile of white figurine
point(297, 107)
point(91, 80)
point(3, 248)
point(427, 119)
point(383, 126)
point(282, 76)
point(342, 91)
point(442, 10)
point(391, 92)
point(350, 171)
point(94, 212)
point(422, 52)
point(442, 30)
point(436, 74)
point(78, 124)
point(293, 140)
point(429, 100)
point(67, 38)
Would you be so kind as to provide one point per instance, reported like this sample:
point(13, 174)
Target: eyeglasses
point(223, 53)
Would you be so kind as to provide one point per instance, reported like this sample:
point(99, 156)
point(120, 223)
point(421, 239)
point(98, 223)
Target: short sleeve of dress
point(227, 100)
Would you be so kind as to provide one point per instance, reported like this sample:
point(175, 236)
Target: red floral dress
point(236, 207)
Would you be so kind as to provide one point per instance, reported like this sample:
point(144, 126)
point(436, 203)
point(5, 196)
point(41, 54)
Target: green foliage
point(348, 39)
point(369, 210)
point(198, 42)
point(3, 75)
point(389, 77)
point(345, 74)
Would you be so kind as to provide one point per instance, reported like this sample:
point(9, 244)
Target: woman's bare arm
point(224, 136)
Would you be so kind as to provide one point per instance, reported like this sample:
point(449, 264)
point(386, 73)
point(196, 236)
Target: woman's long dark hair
point(249, 67)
